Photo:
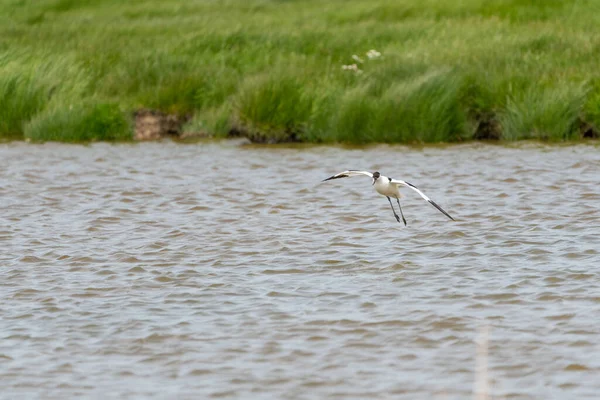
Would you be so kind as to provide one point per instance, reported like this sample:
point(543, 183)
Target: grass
point(87, 122)
point(550, 114)
point(29, 84)
point(273, 69)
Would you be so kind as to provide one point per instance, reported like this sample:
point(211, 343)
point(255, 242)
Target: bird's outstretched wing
point(413, 187)
point(349, 173)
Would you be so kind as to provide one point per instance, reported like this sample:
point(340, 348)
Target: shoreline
point(244, 142)
point(155, 125)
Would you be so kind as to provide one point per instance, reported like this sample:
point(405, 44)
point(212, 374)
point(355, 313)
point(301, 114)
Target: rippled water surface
point(217, 270)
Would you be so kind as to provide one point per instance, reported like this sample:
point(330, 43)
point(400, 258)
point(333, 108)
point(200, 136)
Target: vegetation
point(279, 70)
point(83, 122)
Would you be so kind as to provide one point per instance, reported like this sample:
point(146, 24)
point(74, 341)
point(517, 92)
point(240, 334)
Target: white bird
point(388, 187)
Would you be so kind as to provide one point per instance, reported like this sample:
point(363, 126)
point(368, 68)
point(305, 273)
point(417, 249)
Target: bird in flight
point(388, 187)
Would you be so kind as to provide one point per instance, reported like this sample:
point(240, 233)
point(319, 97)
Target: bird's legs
point(394, 211)
point(401, 213)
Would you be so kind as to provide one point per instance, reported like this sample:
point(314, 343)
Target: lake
point(222, 270)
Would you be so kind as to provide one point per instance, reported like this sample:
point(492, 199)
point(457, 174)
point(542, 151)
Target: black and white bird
point(388, 187)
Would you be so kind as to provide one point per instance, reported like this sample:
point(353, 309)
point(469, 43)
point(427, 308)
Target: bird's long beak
point(373, 182)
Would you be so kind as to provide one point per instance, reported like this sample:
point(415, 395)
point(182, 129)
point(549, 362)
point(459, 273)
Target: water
point(217, 270)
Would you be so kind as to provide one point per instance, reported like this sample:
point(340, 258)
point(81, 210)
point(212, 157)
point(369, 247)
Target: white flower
point(357, 58)
point(371, 54)
point(352, 67)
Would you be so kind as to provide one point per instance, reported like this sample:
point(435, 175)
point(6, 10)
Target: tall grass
point(276, 108)
point(273, 70)
point(550, 114)
point(20, 100)
point(28, 85)
point(84, 122)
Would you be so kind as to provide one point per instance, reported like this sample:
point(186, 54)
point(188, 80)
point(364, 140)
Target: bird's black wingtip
point(433, 203)
point(334, 177)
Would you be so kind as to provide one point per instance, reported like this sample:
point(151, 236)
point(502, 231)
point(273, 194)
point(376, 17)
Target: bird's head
point(376, 176)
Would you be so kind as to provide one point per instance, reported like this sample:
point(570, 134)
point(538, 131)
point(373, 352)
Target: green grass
point(275, 108)
point(550, 114)
point(86, 122)
point(272, 69)
point(29, 84)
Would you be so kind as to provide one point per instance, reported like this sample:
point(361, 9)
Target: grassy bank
point(273, 70)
